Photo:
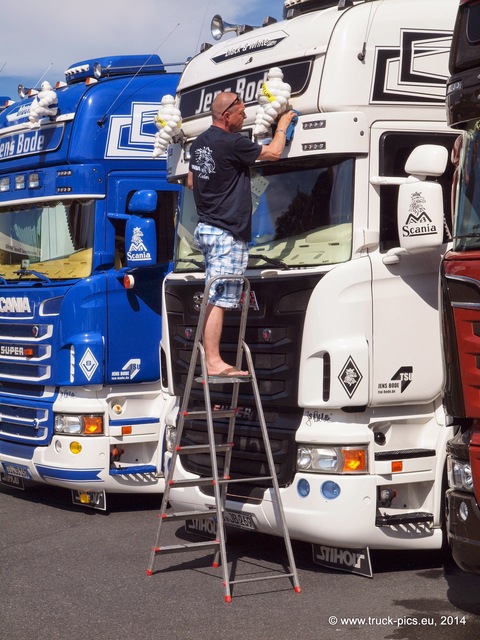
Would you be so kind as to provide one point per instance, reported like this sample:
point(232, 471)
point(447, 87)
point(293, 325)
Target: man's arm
point(273, 151)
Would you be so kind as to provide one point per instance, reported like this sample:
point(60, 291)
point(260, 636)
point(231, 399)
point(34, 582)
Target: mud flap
point(343, 559)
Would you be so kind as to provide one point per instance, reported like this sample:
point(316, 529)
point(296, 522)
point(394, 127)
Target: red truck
point(460, 291)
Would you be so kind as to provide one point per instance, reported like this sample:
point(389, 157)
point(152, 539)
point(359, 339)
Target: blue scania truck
point(86, 238)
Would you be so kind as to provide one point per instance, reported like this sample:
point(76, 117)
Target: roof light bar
point(114, 66)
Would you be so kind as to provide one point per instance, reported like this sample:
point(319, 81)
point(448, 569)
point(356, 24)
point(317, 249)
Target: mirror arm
point(393, 255)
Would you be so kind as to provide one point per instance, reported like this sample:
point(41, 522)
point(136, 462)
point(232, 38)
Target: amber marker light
point(75, 447)
point(128, 281)
point(126, 431)
point(354, 460)
point(397, 466)
point(93, 425)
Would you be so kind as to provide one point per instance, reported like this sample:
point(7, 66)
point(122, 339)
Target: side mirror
point(420, 214)
point(143, 201)
point(427, 160)
point(140, 241)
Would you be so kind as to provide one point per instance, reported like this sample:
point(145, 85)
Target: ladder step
point(204, 448)
point(186, 515)
point(201, 482)
point(280, 575)
point(224, 379)
point(178, 548)
point(195, 482)
point(241, 480)
point(224, 413)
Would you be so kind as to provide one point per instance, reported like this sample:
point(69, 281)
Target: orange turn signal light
point(354, 460)
point(397, 466)
point(93, 425)
point(128, 281)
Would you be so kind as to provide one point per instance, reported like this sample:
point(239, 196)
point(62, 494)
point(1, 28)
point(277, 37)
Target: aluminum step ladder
point(220, 483)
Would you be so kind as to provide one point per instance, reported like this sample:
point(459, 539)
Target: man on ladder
point(219, 175)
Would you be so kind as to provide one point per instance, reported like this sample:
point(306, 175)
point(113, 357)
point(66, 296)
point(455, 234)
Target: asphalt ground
point(71, 573)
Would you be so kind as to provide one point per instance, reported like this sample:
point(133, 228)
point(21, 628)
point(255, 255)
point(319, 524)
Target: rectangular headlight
point(337, 459)
point(170, 437)
point(78, 425)
point(459, 474)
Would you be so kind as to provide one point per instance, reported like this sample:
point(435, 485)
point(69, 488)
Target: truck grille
point(26, 422)
point(248, 457)
point(25, 354)
point(274, 336)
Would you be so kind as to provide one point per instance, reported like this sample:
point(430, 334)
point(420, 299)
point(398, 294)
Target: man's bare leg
point(212, 334)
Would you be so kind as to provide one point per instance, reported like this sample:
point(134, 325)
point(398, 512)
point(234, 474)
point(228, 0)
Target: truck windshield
point(302, 215)
point(54, 240)
point(467, 222)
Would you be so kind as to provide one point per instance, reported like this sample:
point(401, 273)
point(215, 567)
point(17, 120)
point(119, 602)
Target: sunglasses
point(236, 101)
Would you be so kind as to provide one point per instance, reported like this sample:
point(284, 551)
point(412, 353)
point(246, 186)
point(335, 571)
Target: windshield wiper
point(31, 272)
point(197, 263)
point(467, 235)
point(273, 261)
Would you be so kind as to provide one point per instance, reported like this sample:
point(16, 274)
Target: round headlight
point(467, 477)
point(304, 458)
point(303, 488)
point(68, 424)
point(330, 490)
point(463, 511)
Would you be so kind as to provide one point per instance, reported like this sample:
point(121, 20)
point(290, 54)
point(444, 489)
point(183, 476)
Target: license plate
point(93, 499)
point(208, 528)
point(12, 481)
point(241, 520)
point(16, 470)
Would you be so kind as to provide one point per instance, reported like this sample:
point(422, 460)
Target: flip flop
point(230, 372)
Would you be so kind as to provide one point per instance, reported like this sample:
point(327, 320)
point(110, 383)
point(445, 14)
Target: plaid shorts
point(224, 255)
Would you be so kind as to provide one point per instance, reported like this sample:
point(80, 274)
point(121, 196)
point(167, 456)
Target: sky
point(40, 39)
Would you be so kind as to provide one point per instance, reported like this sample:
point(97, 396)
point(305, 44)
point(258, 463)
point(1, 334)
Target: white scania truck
point(348, 232)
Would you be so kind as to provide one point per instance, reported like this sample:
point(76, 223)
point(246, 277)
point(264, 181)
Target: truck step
point(414, 517)
point(134, 469)
point(405, 454)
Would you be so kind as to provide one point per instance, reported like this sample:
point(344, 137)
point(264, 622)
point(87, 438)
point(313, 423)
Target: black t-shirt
point(220, 163)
